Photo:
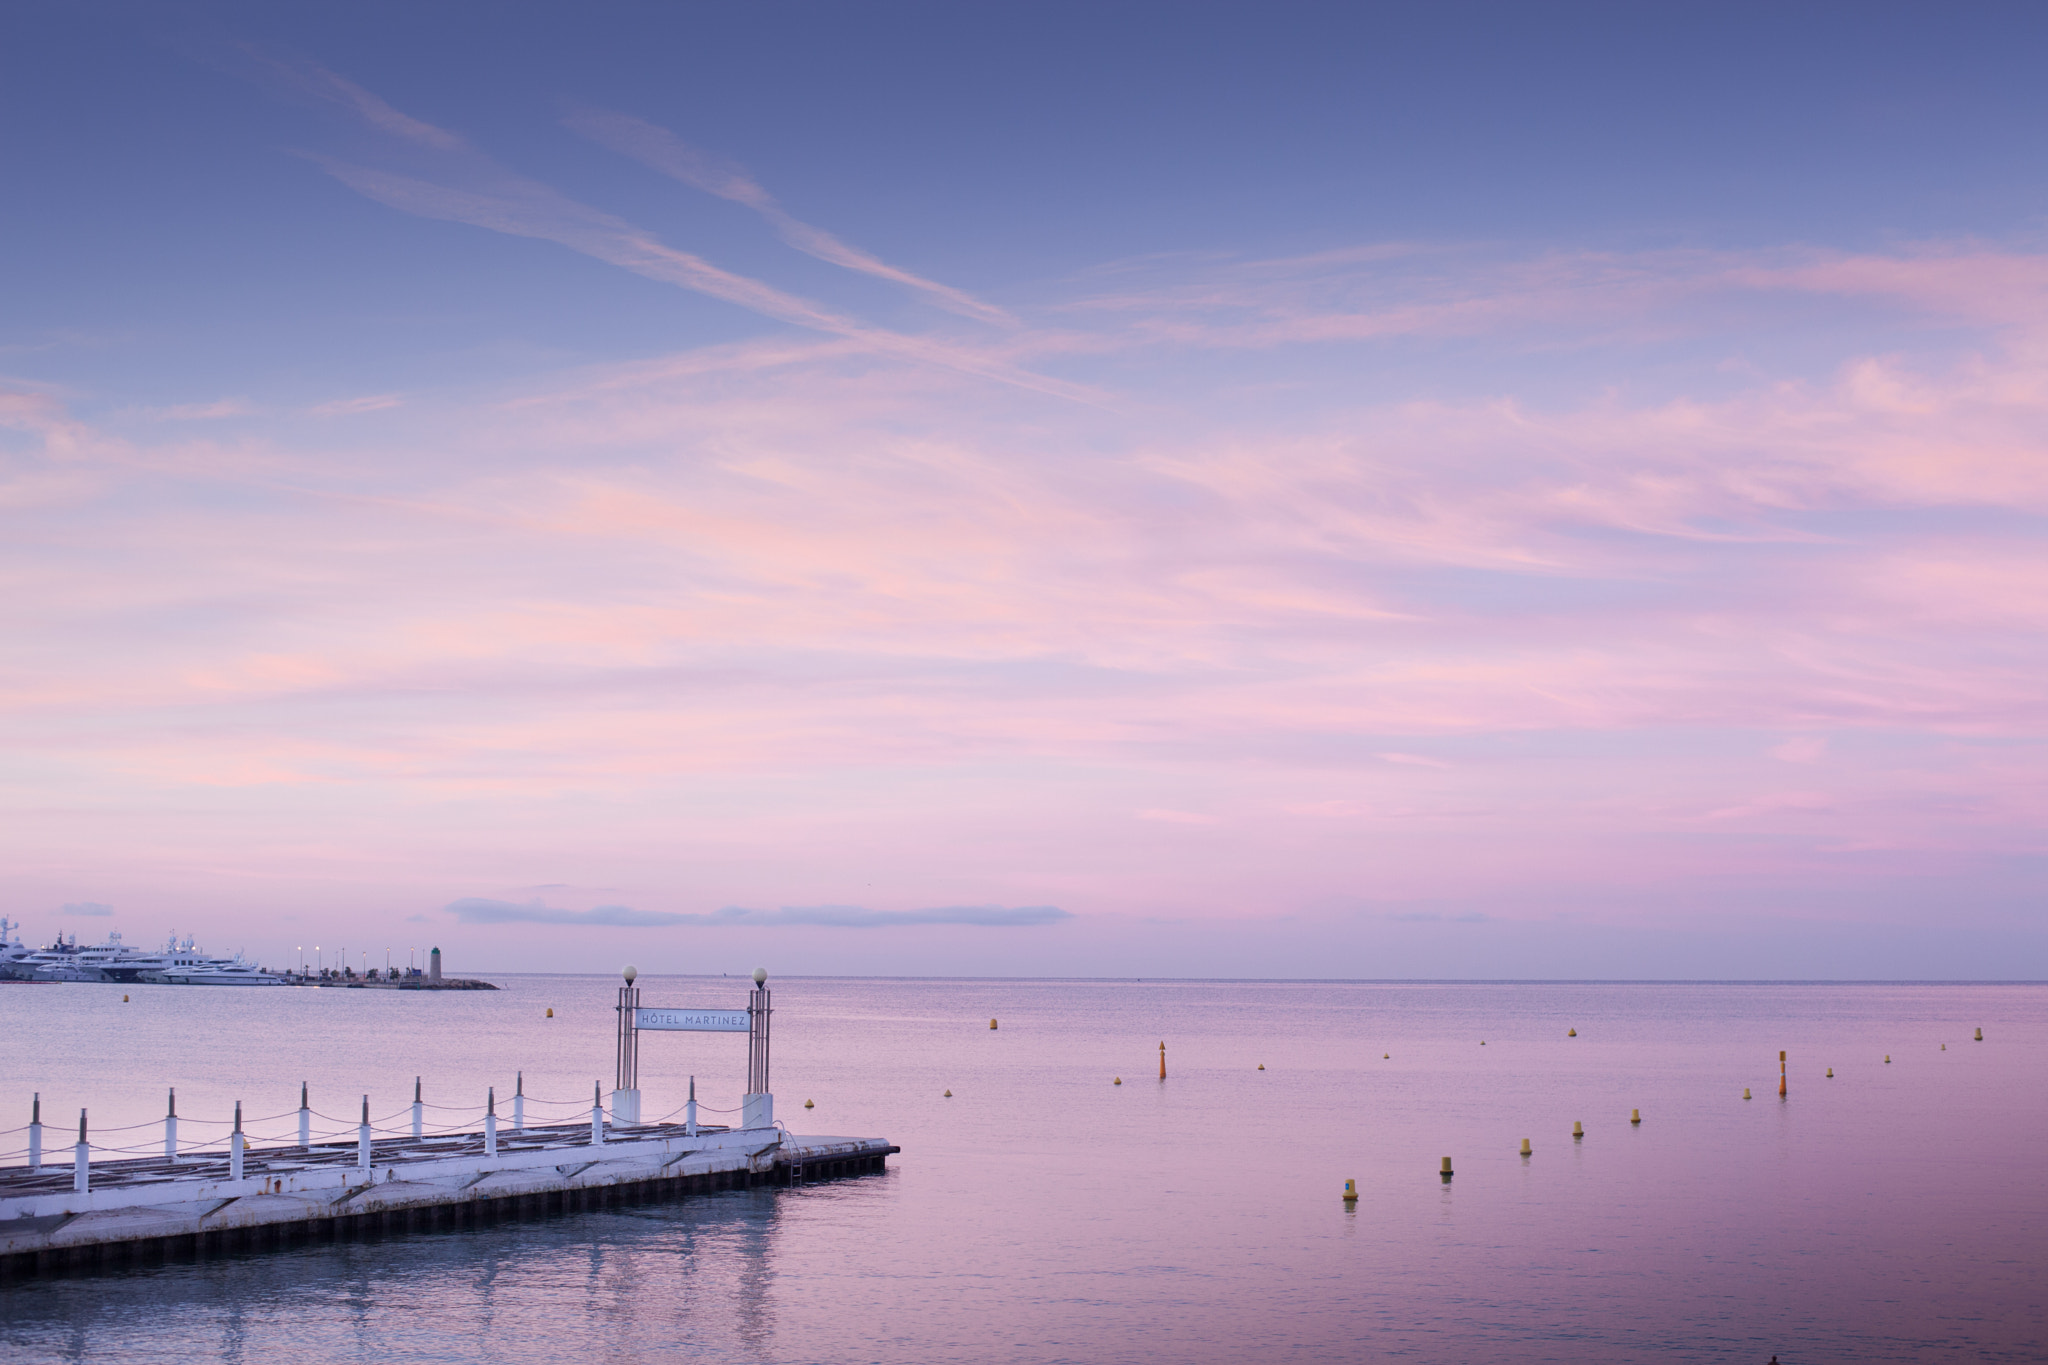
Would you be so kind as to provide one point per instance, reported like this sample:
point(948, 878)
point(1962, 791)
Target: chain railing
point(296, 1128)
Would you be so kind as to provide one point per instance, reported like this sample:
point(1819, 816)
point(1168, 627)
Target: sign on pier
point(692, 1021)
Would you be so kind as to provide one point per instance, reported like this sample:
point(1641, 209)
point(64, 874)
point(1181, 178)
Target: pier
point(137, 1211)
point(229, 1194)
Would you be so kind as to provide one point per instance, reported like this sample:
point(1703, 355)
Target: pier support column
point(81, 1160)
point(363, 1137)
point(171, 1128)
point(625, 1108)
point(305, 1119)
point(491, 1122)
point(596, 1113)
point(419, 1110)
point(690, 1111)
point(519, 1105)
point(35, 1133)
point(237, 1145)
point(757, 1111)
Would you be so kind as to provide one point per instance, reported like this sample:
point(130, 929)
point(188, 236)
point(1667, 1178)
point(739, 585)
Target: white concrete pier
point(260, 1197)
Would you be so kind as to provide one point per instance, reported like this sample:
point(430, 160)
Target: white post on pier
point(236, 1146)
point(35, 1133)
point(419, 1110)
point(171, 1128)
point(305, 1118)
point(626, 1094)
point(81, 1160)
point(596, 1112)
point(690, 1111)
point(491, 1121)
point(519, 1105)
point(363, 1138)
point(757, 1106)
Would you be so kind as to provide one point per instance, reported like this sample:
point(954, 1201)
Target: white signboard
point(691, 1021)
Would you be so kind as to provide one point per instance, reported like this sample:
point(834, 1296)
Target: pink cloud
point(807, 592)
point(1802, 749)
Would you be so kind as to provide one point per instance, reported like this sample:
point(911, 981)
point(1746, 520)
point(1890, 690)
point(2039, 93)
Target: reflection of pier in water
point(698, 1276)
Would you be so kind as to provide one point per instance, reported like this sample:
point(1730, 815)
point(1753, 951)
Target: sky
point(1163, 490)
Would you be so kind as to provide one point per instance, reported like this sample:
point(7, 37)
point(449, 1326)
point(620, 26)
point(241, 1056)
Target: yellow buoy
point(1887, 1059)
point(124, 999)
point(949, 1095)
point(1944, 1047)
point(1571, 1033)
point(1578, 1130)
point(1447, 1170)
point(1482, 1042)
point(991, 1023)
point(551, 1011)
point(1351, 1191)
point(1525, 1146)
point(1980, 1035)
point(1118, 1081)
point(809, 1105)
point(1831, 1073)
point(1745, 1092)
point(1386, 1056)
point(1635, 1116)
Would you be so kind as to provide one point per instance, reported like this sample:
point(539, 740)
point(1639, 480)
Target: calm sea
point(1897, 1212)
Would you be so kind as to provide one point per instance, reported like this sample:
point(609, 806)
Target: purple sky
point(571, 519)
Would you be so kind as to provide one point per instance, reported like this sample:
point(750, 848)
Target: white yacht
point(57, 961)
point(14, 954)
point(177, 963)
point(64, 960)
point(181, 964)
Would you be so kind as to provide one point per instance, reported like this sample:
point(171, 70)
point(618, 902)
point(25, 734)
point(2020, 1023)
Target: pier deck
point(151, 1208)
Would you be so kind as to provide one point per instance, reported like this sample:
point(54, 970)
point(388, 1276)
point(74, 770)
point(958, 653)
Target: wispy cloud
point(316, 80)
point(458, 183)
point(204, 412)
point(857, 917)
point(663, 151)
point(478, 910)
point(92, 909)
point(349, 407)
point(1801, 749)
point(475, 910)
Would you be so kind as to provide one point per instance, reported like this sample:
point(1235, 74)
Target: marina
point(180, 962)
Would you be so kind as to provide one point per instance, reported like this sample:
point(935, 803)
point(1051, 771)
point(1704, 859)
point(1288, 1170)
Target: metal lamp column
point(757, 1110)
point(626, 1094)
